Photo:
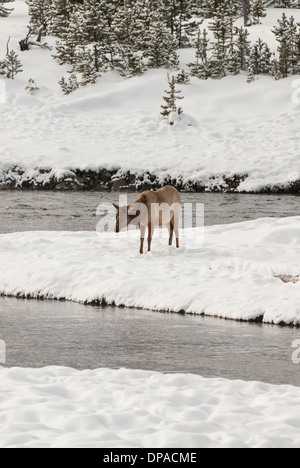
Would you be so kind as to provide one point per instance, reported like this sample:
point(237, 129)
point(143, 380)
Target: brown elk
point(152, 209)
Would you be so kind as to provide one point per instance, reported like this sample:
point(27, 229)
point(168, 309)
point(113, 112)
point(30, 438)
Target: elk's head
point(124, 217)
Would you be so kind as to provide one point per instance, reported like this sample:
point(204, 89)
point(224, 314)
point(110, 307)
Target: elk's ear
point(116, 206)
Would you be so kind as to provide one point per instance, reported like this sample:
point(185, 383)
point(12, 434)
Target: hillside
point(233, 135)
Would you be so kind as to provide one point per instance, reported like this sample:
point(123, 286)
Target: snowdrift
point(62, 407)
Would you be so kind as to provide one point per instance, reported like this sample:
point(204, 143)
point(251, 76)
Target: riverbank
point(247, 271)
point(116, 180)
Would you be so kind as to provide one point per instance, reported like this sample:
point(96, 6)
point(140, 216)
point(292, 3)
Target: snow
point(230, 127)
point(237, 273)
point(62, 407)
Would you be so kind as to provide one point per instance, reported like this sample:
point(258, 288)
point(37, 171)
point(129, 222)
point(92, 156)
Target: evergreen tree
point(242, 47)
point(11, 66)
point(286, 35)
point(127, 62)
point(161, 48)
point(275, 69)
point(201, 66)
point(223, 47)
point(31, 87)
point(39, 14)
point(59, 12)
point(183, 78)
point(87, 64)
point(4, 12)
point(260, 58)
point(70, 85)
point(258, 10)
point(171, 98)
point(285, 4)
point(209, 8)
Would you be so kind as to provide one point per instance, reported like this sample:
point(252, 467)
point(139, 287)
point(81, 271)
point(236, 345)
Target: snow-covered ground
point(235, 274)
point(62, 407)
point(238, 128)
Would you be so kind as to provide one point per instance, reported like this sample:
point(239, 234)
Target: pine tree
point(127, 62)
point(285, 4)
point(183, 78)
point(4, 12)
point(250, 75)
point(86, 64)
point(171, 98)
point(260, 58)
point(286, 35)
point(91, 22)
point(242, 47)
point(209, 8)
point(31, 87)
point(223, 47)
point(11, 66)
point(70, 85)
point(39, 14)
point(275, 69)
point(201, 67)
point(59, 12)
point(161, 48)
point(258, 10)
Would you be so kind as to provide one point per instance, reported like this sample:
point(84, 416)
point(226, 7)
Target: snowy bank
point(246, 271)
point(240, 136)
point(62, 407)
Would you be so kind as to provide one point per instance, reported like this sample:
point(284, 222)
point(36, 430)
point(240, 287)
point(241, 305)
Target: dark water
point(31, 211)
point(40, 333)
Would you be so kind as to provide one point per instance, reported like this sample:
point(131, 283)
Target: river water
point(39, 333)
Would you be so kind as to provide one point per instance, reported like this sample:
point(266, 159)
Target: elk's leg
point(171, 232)
point(143, 230)
point(150, 235)
point(175, 227)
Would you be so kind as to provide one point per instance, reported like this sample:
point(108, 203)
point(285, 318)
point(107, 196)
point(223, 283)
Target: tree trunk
point(247, 13)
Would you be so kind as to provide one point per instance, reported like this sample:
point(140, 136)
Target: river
point(40, 333)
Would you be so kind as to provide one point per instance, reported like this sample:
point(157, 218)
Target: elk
point(152, 209)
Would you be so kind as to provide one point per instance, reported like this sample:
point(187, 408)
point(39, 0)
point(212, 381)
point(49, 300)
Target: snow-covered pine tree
point(127, 62)
point(4, 12)
point(31, 87)
point(201, 66)
point(183, 77)
point(92, 21)
point(86, 64)
point(258, 10)
point(260, 58)
point(171, 97)
point(70, 85)
point(286, 35)
point(297, 52)
point(39, 14)
point(59, 13)
point(124, 26)
point(176, 14)
point(161, 47)
point(242, 47)
point(209, 8)
point(11, 66)
point(247, 12)
point(285, 4)
point(223, 47)
point(275, 68)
